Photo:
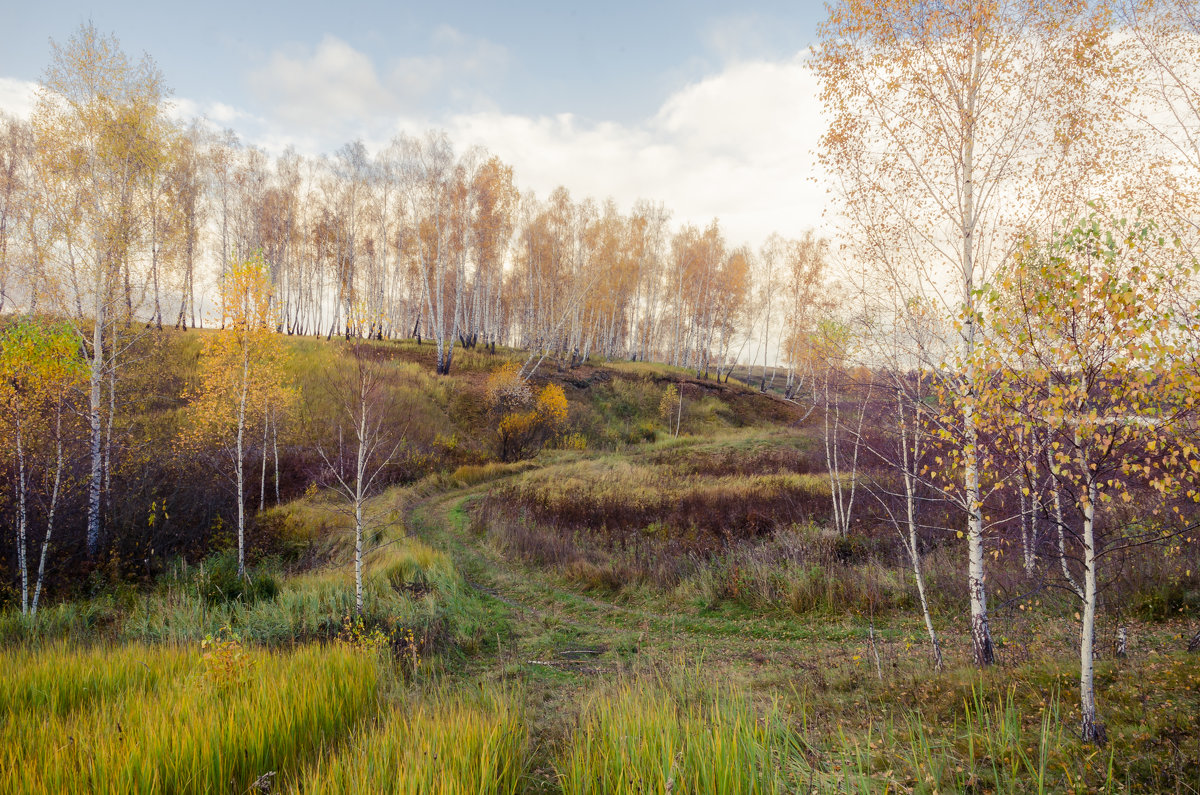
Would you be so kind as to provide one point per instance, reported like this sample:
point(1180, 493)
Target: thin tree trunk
point(913, 542)
point(112, 412)
point(1062, 533)
point(679, 412)
point(275, 446)
point(58, 470)
point(359, 496)
point(96, 375)
point(1092, 730)
point(262, 484)
point(22, 516)
point(239, 464)
point(358, 550)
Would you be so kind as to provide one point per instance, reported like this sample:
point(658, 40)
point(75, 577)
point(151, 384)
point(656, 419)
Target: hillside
point(624, 605)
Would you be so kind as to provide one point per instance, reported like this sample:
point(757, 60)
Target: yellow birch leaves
point(246, 358)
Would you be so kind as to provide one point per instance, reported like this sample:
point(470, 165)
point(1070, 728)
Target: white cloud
point(739, 145)
point(336, 88)
point(734, 36)
point(17, 97)
point(332, 80)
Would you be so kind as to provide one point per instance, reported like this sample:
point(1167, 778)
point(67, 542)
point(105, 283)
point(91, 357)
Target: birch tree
point(429, 177)
point(953, 128)
point(241, 374)
point(805, 263)
point(39, 370)
point(92, 112)
point(907, 433)
point(186, 181)
point(363, 398)
point(14, 153)
point(831, 348)
point(1163, 51)
point(1088, 344)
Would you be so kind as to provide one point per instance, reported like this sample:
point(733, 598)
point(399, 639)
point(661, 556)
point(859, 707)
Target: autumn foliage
point(242, 379)
point(524, 424)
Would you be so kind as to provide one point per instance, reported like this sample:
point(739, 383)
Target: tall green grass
point(206, 727)
point(409, 587)
point(643, 739)
point(446, 744)
point(78, 620)
point(56, 679)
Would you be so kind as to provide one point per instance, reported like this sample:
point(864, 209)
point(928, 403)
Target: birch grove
point(951, 133)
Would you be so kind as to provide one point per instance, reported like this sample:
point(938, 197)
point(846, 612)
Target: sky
point(707, 109)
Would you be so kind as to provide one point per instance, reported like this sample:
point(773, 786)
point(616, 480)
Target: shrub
point(1166, 600)
point(523, 433)
point(506, 389)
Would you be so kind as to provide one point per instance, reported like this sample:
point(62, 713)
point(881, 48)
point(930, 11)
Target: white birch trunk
point(275, 447)
point(239, 463)
point(980, 631)
point(1092, 730)
point(1062, 531)
point(54, 491)
point(22, 515)
point(262, 484)
point(360, 475)
point(912, 544)
point(95, 379)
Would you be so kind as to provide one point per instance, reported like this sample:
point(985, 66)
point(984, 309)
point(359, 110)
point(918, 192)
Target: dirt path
point(557, 626)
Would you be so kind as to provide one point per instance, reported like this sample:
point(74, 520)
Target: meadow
point(373, 471)
point(648, 614)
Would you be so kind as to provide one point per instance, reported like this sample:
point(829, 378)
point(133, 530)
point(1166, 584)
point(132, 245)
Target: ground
point(510, 644)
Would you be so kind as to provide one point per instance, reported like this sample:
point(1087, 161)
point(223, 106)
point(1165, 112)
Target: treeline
point(111, 208)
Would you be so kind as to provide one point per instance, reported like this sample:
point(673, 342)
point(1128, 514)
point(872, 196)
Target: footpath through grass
point(479, 670)
point(851, 702)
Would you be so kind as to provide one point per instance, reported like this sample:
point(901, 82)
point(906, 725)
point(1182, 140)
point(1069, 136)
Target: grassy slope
point(531, 675)
point(822, 671)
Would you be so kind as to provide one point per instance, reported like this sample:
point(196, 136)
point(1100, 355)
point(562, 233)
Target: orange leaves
point(517, 424)
point(520, 431)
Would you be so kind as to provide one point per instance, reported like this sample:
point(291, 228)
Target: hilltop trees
point(120, 214)
point(805, 301)
point(431, 181)
point(14, 154)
